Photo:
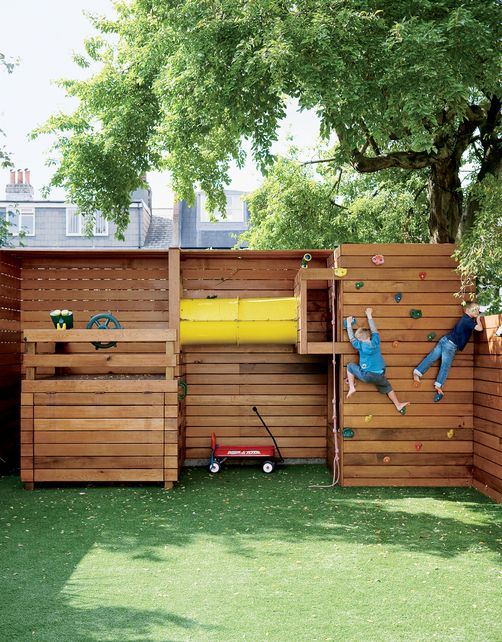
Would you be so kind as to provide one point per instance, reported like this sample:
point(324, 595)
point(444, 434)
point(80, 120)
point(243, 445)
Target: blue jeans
point(444, 350)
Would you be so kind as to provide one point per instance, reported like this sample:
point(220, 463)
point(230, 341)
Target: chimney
point(20, 190)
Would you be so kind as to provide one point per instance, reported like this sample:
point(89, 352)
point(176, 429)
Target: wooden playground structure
point(76, 414)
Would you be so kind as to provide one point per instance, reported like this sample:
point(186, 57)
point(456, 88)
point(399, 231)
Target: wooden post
point(174, 292)
point(30, 348)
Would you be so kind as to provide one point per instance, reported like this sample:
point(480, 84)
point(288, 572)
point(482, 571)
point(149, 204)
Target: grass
point(244, 556)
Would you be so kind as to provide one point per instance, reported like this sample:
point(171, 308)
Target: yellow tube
point(238, 321)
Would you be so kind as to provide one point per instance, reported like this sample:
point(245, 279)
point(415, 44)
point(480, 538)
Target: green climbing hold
point(402, 411)
point(359, 284)
point(431, 336)
point(415, 314)
point(348, 433)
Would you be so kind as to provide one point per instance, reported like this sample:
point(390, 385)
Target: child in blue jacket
point(447, 347)
point(371, 368)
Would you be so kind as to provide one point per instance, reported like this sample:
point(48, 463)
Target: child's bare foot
point(416, 378)
point(351, 392)
point(400, 406)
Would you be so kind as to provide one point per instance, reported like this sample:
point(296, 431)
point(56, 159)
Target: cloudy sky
point(43, 34)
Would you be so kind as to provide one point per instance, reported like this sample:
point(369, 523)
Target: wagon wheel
point(268, 466)
point(103, 321)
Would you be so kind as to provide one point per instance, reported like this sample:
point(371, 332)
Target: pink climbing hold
point(418, 445)
point(422, 275)
point(395, 344)
point(386, 460)
point(378, 259)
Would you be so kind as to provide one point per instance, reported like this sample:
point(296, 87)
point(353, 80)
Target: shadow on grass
point(46, 533)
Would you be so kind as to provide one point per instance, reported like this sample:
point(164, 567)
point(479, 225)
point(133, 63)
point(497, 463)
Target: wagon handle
point(255, 409)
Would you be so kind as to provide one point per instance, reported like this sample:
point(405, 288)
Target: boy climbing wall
point(371, 368)
point(446, 348)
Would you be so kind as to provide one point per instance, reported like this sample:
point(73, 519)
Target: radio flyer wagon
point(219, 454)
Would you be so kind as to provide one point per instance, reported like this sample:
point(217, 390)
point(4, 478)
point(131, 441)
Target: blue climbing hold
point(354, 321)
point(438, 396)
point(348, 433)
point(398, 296)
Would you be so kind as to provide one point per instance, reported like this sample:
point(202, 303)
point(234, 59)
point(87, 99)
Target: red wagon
point(219, 454)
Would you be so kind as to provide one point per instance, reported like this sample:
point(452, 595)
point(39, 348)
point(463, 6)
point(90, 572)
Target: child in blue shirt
point(446, 348)
point(371, 368)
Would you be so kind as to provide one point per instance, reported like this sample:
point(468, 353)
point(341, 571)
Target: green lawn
point(244, 556)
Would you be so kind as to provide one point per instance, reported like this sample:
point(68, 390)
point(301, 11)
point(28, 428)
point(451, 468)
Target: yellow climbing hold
point(451, 434)
point(340, 271)
point(368, 418)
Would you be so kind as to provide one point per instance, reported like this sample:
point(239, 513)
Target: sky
point(43, 35)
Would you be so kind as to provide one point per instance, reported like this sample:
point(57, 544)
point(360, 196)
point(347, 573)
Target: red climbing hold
point(418, 445)
point(422, 275)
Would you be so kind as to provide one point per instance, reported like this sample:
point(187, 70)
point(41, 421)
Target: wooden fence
point(291, 386)
point(488, 410)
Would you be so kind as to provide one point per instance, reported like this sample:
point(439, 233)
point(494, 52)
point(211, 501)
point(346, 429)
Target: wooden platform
point(102, 427)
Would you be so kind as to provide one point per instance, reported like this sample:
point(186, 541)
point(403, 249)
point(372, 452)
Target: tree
point(409, 84)
point(5, 161)
point(294, 208)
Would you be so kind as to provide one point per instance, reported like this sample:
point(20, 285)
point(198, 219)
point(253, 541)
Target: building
point(193, 227)
point(57, 224)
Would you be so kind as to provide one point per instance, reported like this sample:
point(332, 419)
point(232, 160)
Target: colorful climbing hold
point(368, 418)
point(438, 396)
point(340, 271)
point(354, 321)
point(422, 275)
point(415, 314)
point(431, 336)
point(378, 259)
point(418, 445)
point(348, 433)
point(359, 285)
point(450, 434)
point(398, 296)
point(395, 344)
point(386, 459)
point(403, 411)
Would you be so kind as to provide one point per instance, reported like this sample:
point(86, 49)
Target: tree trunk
point(445, 200)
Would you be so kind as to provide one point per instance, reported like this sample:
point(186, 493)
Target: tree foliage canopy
point(296, 209)
point(408, 84)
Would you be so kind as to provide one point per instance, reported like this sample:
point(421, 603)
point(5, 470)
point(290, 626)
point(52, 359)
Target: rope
point(336, 458)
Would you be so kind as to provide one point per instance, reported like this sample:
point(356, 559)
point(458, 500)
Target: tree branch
point(403, 160)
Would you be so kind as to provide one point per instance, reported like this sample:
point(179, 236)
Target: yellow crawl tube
point(238, 321)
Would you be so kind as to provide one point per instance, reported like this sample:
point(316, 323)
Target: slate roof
point(160, 233)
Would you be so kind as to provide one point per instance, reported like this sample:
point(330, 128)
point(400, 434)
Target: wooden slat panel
point(431, 440)
point(488, 410)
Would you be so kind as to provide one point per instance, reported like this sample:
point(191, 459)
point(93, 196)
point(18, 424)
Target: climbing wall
point(431, 445)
